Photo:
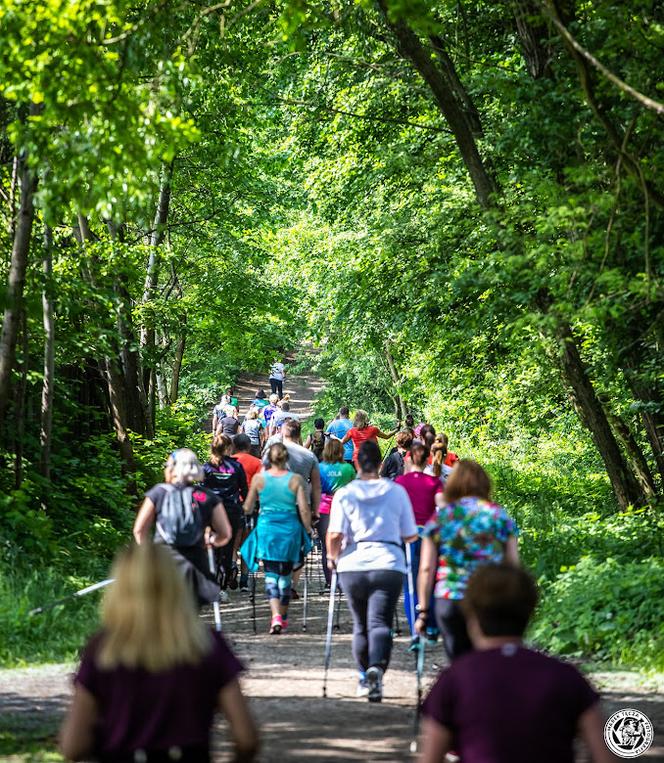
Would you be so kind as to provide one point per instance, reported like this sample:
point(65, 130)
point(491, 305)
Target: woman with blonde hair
point(281, 536)
point(150, 681)
point(186, 519)
point(362, 431)
point(253, 427)
point(469, 530)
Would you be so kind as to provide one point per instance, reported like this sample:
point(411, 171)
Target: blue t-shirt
point(338, 429)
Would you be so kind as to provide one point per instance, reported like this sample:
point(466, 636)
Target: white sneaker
point(375, 684)
point(224, 598)
point(362, 688)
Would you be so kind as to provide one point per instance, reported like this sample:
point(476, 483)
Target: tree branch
point(644, 100)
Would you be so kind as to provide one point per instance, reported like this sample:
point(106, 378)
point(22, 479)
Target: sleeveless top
point(276, 496)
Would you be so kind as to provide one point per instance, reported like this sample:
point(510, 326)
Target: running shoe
point(375, 684)
point(232, 578)
point(244, 583)
point(362, 687)
point(284, 624)
point(224, 598)
point(276, 625)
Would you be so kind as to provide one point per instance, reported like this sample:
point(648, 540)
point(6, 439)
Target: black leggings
point(323, 524)
point(225, 557)
point(277, 387)
point(452, 625)
point(372, 598)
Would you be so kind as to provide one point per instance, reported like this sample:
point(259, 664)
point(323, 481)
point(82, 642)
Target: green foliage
point(608, 608)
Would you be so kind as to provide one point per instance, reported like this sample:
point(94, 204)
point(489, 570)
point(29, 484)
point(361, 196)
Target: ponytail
point(221, 444)
point(439, 450)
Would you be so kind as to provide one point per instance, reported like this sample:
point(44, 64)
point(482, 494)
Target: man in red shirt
point(251, 466)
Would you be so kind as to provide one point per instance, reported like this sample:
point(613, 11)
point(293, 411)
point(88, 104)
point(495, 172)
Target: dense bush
point(608, 609)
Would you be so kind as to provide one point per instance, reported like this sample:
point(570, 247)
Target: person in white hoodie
point(370, 519)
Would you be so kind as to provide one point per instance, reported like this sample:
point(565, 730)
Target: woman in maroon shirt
point(151, 680)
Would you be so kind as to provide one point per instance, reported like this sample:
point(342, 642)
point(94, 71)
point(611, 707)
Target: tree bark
point(16, 283)
point(114, 381)
point(137, 405)
point(411, 47)
point(457, 87)
point(148, 344)
point(48, 390)
point(396, 381)
point(623, 481)
point(19, 403)
point(638, 461)
point(177, 367)
point(532, 30)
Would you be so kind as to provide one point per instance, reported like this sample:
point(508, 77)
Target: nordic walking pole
point(306, 592)
point(82, 592)
point(418, 644)
point(418, 708)
point(328, 635)
point(215, 603)
point(336, 625)
point(411, 593)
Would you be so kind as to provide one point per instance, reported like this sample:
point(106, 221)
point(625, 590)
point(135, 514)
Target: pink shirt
point(422, 490)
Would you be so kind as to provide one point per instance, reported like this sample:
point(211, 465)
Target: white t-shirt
point(373, 516)
point(277, 371)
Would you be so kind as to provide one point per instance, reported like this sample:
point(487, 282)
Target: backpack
point(180, 522)
point(317, 445)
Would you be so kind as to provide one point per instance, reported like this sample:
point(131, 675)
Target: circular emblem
point(628, 733)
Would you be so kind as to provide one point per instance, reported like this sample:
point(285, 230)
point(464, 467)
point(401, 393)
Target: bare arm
point(512, 551)
point(345, 438)
point(315, 489)
point(297, 484)
point(388, 435)
point(428, 558)
point(440, 499)
point(221, 525)
point(592, 732)
point(250, 501)
point(435, 742)
point(233, 705)
point(333, 543)
point(143, 521)
point(76, 738)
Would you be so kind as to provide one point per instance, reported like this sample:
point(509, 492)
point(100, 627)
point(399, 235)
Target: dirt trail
point(284, 678)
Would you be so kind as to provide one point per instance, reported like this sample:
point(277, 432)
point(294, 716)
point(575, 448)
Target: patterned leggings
point(278, 580)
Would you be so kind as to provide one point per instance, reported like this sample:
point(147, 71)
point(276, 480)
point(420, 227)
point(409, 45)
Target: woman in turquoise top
point(281, 537)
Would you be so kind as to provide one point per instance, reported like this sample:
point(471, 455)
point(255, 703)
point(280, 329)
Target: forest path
point(301, 386)
point(284, 675)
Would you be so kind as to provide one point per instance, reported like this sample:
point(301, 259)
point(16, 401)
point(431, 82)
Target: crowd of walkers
point(150, 681)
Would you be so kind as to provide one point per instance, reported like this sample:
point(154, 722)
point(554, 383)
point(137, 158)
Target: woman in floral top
point(469, 530)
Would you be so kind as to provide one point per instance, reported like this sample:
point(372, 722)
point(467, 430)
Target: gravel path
point(284, 678)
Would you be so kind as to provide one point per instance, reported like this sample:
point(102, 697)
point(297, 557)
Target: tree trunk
point(19, 403)
point(114, 381)
point(532, 30)
point(49, 359)
point(16, 284)
point(177, 367)
point(162, 390)
point(653, 420)
point(396, 381)
point(411, 47)
point(457, 87)
point(151, 282)
point(637, 460)
point(623, 481)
